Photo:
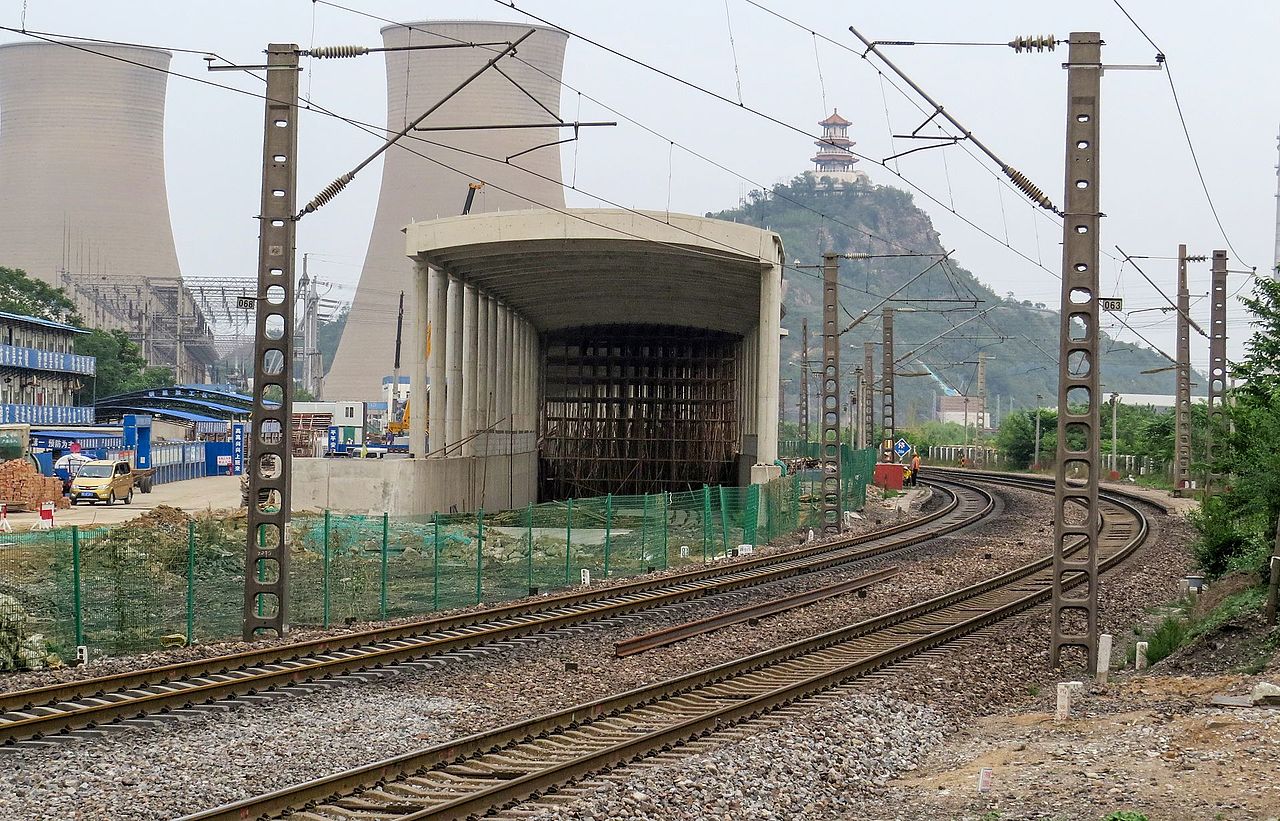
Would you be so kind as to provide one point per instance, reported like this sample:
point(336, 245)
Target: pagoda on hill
point(835, 151)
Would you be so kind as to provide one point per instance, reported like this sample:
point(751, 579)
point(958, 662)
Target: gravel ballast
point(187, 765)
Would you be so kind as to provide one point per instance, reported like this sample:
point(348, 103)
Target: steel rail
point(490, 770)
point(87, 704)
point(689, 629)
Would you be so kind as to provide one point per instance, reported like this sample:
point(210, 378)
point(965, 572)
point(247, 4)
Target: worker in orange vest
point(915, 468)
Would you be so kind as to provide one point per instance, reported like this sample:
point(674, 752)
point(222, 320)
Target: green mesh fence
point(155, 584)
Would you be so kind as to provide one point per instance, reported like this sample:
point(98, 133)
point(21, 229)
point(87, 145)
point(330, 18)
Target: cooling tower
point(415, 187)
point(82, 160)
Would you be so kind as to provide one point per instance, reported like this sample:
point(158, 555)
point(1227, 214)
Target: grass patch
point(1168, 636)
point(1126, 815)
point(1180, 627)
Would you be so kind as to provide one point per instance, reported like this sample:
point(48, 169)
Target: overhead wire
point(770, 118)
point(1161, 57)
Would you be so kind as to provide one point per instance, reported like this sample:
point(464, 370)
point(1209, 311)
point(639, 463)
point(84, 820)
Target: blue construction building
point(40, 372)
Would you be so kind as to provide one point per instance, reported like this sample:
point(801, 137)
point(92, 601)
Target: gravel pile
point(824, 763)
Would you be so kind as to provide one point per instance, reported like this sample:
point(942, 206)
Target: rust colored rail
point(82, 705)
point(472, 776)
point(689, 629)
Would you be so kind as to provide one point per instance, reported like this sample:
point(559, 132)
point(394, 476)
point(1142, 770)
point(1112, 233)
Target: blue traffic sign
point(902, 448)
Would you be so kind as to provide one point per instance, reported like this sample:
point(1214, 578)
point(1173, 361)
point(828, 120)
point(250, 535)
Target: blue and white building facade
point(40, 373)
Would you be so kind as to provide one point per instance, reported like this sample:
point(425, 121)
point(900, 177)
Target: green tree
point(1239, 530)
point(1016, 438)
point(121, 368)
point(20, 294)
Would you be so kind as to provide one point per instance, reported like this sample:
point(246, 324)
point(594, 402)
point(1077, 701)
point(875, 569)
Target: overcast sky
point(1222, 57)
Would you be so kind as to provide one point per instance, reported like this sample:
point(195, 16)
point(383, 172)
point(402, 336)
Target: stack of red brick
point(23, 488)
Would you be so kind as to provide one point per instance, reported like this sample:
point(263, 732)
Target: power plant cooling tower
point(82, 160)
point(422, 187)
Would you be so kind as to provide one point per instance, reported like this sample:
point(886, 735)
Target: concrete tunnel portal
point(623, 352)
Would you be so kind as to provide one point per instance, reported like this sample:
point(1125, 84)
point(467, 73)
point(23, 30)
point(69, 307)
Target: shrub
point(1126, 815)
point(1223, 536)
point(1167, 637)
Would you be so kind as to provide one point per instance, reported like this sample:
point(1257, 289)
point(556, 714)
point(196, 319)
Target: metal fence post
point(666, 524)
point(324, 581)
point(706, 521)
point(435, 562)
point(75, 585)
point(644, 531)
point(191, 583)
point(568, 537)
point(386, 533)
point(479, 553)
point(608, 530)
point(724, 522)
point(528, 525)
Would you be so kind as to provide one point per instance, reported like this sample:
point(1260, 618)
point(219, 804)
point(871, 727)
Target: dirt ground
point(193, 496)
point(1152, 743)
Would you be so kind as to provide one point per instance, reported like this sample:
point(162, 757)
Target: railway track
point(492, 770)
point(90, 707)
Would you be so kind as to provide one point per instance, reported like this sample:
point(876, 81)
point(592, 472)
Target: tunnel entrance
point(629, 409)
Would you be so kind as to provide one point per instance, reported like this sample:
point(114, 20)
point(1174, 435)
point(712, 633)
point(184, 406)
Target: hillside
point(1019, 365)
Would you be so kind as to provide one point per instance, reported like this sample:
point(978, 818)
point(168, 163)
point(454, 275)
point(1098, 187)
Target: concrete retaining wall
point(415, 487)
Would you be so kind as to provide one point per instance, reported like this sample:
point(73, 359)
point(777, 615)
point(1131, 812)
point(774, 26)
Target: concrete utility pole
point(1075, 609)
point(856, 397)
point(869, 398)
point(804, 380)
point(886, 389)
point(1035, 460)
point(980, 420)
point(310, 298)
point(1182, 391)
point(1115, 408)
point(1217, 363)
point(266, 576)
point(832, 516)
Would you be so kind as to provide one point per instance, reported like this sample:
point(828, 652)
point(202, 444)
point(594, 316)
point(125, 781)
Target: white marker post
point(1063, 711)
point(1104, 659)
point(1140, 656)
point(586, 577)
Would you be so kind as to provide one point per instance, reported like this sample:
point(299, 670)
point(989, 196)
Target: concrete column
point(483, 374)
point(491, 393)
point(437, 318)
point(768, 367)
point(517, 371)
point(535, 377)
point(470, 366)
point(453, 364)
point(503, 386)
point(418, 374)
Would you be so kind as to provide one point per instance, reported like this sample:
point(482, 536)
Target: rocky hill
point(1019, 338)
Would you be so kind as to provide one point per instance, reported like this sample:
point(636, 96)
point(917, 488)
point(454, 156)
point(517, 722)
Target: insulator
point(1044, 42)
point(1027, 187)
point(338, 51)
point(330, 191)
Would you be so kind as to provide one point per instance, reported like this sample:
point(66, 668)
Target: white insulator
point(338, 51)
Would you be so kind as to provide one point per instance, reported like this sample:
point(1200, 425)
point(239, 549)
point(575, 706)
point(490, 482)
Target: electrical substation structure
point(1076, 514)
